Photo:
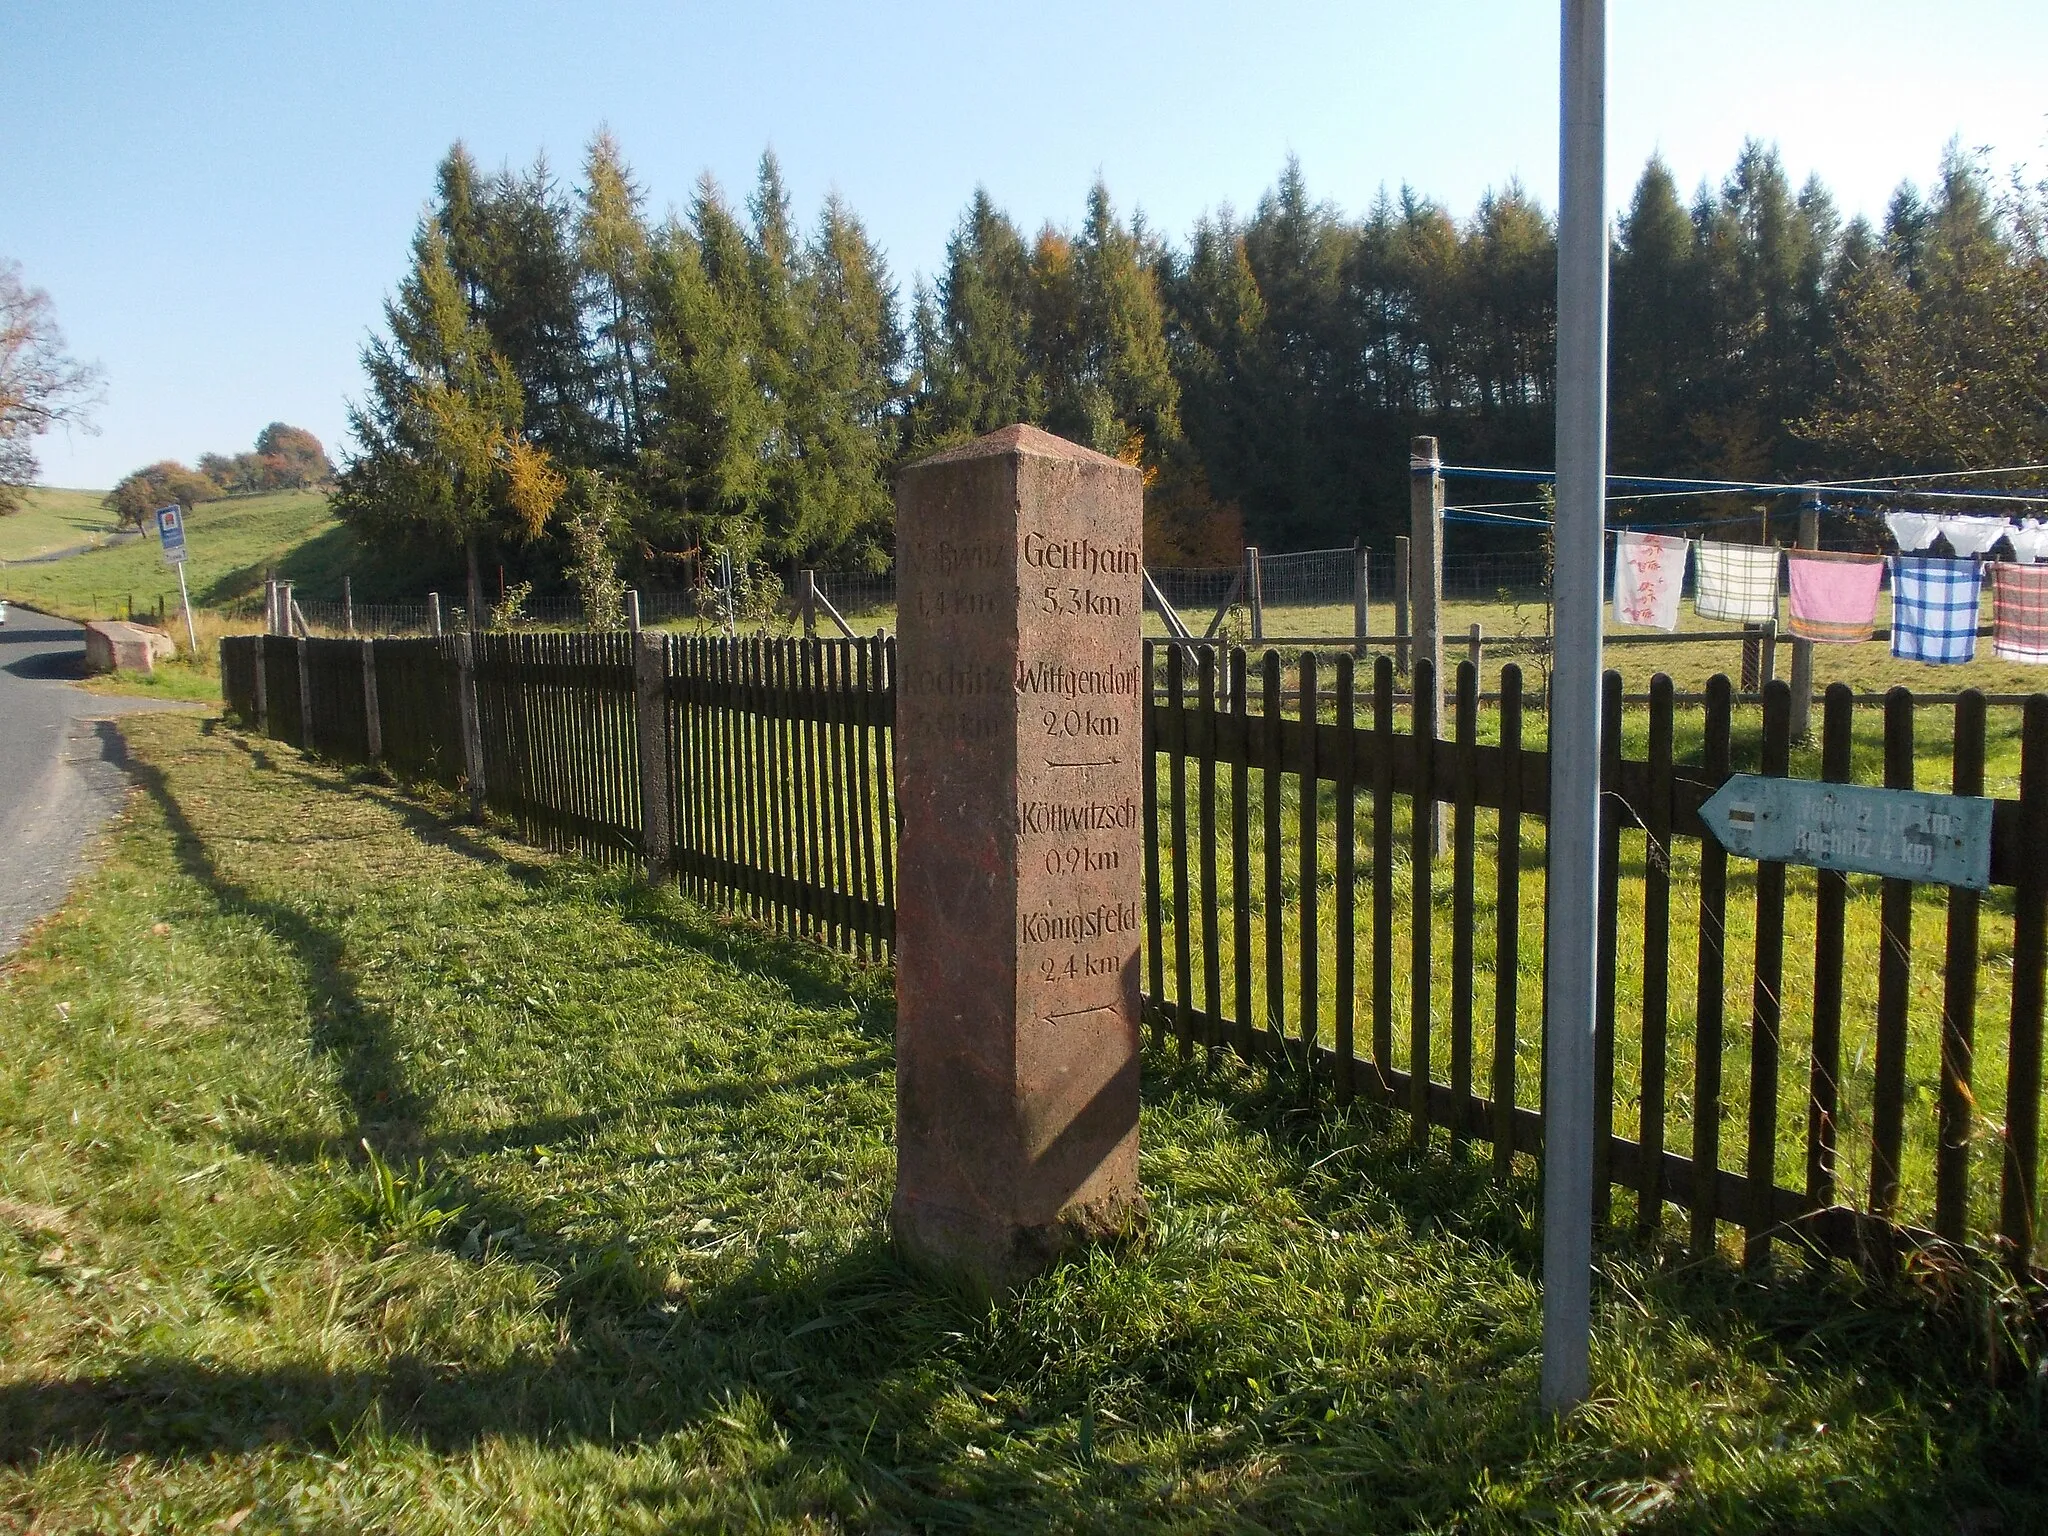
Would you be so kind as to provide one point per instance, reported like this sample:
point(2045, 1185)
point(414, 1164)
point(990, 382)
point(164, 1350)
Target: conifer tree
point(841, 416)
point(443, 458)
point(611, 242)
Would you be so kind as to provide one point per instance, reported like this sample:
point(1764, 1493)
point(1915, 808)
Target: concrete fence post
point(348, 606)
point(1401, 604)
point(1254, 592)
point(434, 613)
point(632, 610)
point(1361, 597)
point(373, 717)
point(471, 723)
point(1802, 650)
point(650, 719)
point(1426, 561)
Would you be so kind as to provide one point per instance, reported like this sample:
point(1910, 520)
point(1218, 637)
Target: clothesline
point(1833, 594)
point(1681, 485)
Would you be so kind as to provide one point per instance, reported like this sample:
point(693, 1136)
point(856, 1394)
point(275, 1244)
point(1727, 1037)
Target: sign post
point(1570, 988)
point(170, 528)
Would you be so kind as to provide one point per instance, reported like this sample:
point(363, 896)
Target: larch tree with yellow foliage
point(444, 458)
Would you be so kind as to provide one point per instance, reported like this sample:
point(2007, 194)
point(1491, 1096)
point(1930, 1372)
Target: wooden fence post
point(1254, 593)
point(650, 719)
point(472, 727)
point(807, 601)
point(262, 690)
point(348, 606)
point(1802, 650)
point(1767, 661)
point(373, 718)
point(1401, 551)
point(433, 613)
point(1475, 648)
point(1361, 598)
point(305, 696)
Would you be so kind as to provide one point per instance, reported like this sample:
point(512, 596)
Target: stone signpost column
point(1020, 897)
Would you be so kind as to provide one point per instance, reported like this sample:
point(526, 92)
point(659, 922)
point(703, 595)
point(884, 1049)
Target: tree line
point(285, 458)
point(573, 386)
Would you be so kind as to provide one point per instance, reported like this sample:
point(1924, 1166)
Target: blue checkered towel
point(1934, 608)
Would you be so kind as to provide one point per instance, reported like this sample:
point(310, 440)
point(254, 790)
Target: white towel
point(1913, 530)
point(1649, 571)
point(1973, 535)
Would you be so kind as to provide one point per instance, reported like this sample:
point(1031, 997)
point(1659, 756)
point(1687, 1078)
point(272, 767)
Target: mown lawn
point(360, 1171)
point(232, 543)
point(52, 520)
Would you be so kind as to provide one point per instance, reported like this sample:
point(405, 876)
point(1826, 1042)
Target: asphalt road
point(62, 772)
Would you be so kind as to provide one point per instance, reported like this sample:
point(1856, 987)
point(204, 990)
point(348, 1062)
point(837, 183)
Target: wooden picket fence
point(1776, 1052)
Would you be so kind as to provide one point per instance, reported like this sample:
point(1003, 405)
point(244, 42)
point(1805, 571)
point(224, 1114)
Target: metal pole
point(185, 598)
point(1573, 885)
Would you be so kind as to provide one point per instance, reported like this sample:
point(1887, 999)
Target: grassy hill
point(232, 543)
point(55, 520)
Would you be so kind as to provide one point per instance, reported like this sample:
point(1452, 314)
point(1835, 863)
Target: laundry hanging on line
point(1913, 530)
point(1934, 608)
point(1834, 596)
point(1737, 583)
point(2019, 613)
point(2030, 541)
point(1973, 535)
point(1649, 573)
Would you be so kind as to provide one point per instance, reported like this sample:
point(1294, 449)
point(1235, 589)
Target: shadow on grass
point(849, 1356)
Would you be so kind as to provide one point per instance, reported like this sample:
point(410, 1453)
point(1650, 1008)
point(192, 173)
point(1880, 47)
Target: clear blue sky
point(217, 196)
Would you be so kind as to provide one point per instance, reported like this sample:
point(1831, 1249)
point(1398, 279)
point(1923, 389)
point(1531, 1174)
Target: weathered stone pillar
point(1020, 894)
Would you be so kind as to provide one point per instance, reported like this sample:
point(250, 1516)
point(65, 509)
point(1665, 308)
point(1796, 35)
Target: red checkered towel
point(2019, 606)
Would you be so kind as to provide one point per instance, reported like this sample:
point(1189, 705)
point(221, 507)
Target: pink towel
point(1834, 596)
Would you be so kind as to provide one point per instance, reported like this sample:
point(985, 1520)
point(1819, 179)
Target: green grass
point(53, 520)
point(232, 544)
point(360, 1171)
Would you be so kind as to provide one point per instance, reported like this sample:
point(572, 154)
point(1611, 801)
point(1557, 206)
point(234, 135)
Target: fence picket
point(1346, 918)
point(1710, 997)
point(1421, 895)
point(1767, 1003)
point(1894, 980)
point(1656, 959)
point(1464, 800)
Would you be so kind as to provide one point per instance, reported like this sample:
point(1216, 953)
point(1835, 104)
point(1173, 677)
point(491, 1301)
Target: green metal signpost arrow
point(1903, 833)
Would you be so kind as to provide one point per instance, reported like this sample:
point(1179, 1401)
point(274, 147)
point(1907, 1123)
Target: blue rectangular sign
point(1903, 833)
point(170, 527)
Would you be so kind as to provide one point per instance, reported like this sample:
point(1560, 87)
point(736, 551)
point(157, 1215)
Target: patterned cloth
point(1736, 581)
point(1913, 530)
point(1834, 596)
point(1649, 571)
point(1934, 608)
point(1973, 535)
point(2019, 602)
